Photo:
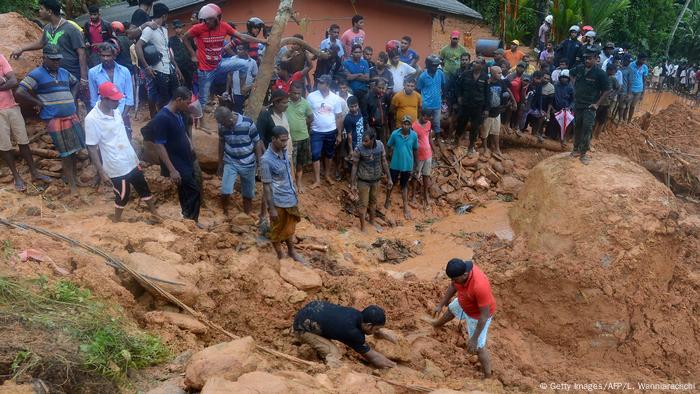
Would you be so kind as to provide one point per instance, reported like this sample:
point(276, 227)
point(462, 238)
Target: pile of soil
point(667, 144)
point(602, 277)
point(17, 31)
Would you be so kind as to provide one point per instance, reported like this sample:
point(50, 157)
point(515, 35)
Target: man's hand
point(338, 140)
point(83, 83)
point(471, 345)
point(389, 183)
point(180, 77)
point(150, 72)
point(152, 25)
point(16, 53)
point(437, 310)
point(194, 59)
point(175, 176)
point(486, 114)
point(220, 171)
point(273, 214)
point(593, 107)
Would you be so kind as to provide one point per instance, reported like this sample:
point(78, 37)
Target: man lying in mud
point(320, 322)
point(475, 303)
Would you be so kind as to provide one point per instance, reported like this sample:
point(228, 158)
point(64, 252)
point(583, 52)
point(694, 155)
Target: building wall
point(471, 30)
point(383, 21)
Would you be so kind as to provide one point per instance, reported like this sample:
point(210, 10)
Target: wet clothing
point(475, 293)
point(334, 322)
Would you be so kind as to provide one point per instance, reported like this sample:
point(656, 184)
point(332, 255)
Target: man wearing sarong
point(53, 89)
point(280, 194)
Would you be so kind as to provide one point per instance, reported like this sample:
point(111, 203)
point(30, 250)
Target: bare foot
point(407, 214)
point(300, 189)
point(315, 185)
point(330, 180)
point(387, 205)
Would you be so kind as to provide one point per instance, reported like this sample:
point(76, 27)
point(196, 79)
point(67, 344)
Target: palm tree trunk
point(675, 27)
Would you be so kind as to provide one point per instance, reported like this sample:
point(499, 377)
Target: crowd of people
point(346, 111)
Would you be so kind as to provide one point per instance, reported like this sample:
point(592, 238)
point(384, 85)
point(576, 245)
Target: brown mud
point(595, 270)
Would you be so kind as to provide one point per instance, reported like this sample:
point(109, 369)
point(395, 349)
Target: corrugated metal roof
point(122, 11)
point(448, 6)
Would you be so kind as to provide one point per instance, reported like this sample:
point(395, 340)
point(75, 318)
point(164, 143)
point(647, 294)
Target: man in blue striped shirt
point(240, 148)
point(53, 89)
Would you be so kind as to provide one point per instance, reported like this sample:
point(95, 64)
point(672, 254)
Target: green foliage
point(601, 14)
point(107, 345)
point(7, 250)
point(686, 43)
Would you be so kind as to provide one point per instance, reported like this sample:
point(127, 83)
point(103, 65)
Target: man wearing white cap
point(543, 34)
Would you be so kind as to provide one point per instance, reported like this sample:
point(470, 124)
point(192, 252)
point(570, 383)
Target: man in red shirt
point(474, 303)
point(209, 37)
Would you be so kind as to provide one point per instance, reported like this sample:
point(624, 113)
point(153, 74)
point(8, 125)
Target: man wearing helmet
point(543, 34)
point(209, 37)
point(430, 84)
point(254, 27)
point(568, 49)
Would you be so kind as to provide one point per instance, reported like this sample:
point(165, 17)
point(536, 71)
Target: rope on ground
point(148, 282)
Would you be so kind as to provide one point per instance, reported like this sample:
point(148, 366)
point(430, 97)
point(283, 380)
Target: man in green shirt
point(404, 154)
point(591, 87)
point(450, 54)
point(299, 116)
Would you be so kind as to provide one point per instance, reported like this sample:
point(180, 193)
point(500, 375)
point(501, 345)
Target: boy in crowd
point(378, 110)
point(367, 54)
point(369, 164)
point(280, 194)
point(240, 149)
point(408, 55)
point(404, 152)
point(354, 124)
point(422, 170)
point(430, 85)
point(96, 31)
point(111, 152)
point(407, 102)
point(299, 116)
point(380, 71)
point(498, 100)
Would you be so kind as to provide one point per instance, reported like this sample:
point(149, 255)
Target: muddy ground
point(595, 271)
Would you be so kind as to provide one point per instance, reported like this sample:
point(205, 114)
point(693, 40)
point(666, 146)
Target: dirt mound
point(667, 144)
point(15, 31)
point(600, 275)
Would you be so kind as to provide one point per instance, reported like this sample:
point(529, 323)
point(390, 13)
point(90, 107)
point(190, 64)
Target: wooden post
point(274, 42)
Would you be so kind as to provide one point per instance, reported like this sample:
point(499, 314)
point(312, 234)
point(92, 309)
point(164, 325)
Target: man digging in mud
point(320, 322)
point(474, 303)
point(280, 194)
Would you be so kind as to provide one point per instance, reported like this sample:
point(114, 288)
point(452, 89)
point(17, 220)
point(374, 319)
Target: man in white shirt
point(326, 127)
point(164, 73)
point(111, 152)
point(399, 70)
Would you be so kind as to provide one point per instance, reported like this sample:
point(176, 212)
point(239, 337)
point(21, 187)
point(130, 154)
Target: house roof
point(122, 11)
point(447, 6)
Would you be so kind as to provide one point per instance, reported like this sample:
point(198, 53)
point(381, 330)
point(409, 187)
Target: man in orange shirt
point(514, 55)
point(474, 303)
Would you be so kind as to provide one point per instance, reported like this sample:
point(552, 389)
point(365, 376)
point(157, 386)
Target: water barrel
point(486, 47)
